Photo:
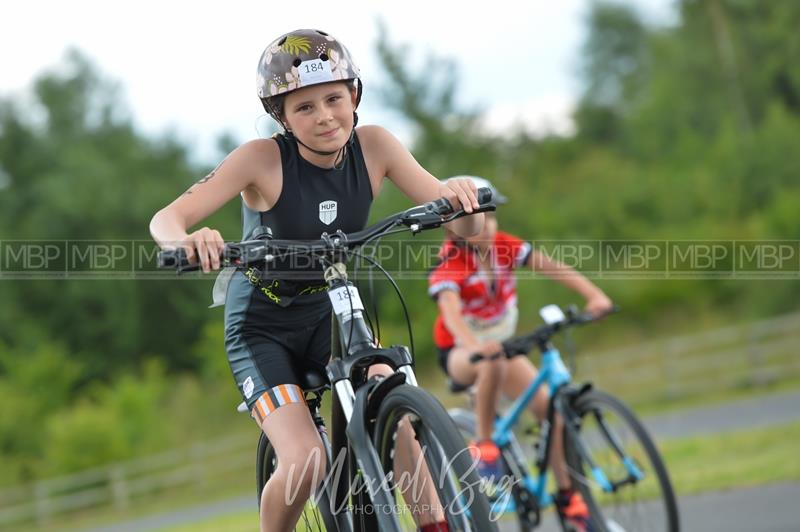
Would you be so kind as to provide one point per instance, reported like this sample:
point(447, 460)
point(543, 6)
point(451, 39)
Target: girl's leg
point(488, 375)
point(521, 372)
point(301, 466)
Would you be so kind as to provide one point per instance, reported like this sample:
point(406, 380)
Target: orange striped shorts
point(274, 398)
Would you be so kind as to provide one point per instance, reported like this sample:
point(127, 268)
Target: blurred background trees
point(682, 132)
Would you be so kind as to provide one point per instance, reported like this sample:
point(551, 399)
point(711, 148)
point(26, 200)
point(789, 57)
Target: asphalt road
point(772, 508)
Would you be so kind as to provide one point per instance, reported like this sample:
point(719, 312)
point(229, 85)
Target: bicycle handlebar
point(429, 215)
point(442, 206)
point(521, 345)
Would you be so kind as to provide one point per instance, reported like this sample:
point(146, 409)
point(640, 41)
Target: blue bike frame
point(555, 374)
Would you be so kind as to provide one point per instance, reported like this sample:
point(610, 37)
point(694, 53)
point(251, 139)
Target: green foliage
point(87, 435)
point(615, 68)
point(209, 352)
point(35, 382)
point(78, 170)
point(112, 422)
point(77, 377)
point(46, 431)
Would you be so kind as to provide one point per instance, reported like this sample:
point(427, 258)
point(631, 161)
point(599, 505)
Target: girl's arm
point(386, 156)
point(240, 170)
point(597, 302)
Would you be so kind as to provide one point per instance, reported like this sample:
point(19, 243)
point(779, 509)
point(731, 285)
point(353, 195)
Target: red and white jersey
point(485, 299)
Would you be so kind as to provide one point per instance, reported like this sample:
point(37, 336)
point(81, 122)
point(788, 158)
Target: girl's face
point(485, 238)
point(321, 116)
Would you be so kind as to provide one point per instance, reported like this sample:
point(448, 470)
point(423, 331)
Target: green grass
point(734, 459)
point(165, 502)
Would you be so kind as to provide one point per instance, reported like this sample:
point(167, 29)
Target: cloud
point(549, 114)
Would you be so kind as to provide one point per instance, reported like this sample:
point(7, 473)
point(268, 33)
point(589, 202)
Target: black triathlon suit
point(277, 317)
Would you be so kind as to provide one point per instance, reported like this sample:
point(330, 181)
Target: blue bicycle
point(610, 457)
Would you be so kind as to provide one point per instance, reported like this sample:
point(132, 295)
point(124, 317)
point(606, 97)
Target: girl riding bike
point(475, 289)
point(319, 175)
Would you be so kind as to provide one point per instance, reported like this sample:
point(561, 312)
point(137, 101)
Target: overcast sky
point(189, 66)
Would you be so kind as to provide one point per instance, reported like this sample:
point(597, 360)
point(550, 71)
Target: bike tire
point(316, 516)
point(644, 505)
point(446, 456)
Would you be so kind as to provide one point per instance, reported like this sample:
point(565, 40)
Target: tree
point(81, 179)
point(427, 98)
point(615, 68)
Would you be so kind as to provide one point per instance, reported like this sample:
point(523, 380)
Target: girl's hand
point(486, 349)
point(598, 305)
point(204, 246)
point(461, 193)
point(490, 348)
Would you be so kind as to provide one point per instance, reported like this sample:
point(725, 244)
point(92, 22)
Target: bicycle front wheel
point(317, 515)
point(433, 475)
point(617, 467)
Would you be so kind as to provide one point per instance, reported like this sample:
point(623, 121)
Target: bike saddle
point(312, 380)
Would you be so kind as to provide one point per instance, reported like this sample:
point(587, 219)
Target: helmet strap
point(341, 153)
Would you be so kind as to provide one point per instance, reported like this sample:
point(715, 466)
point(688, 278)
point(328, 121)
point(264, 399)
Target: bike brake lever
point(422, 221)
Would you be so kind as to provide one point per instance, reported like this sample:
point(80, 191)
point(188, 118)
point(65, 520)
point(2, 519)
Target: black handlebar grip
point(172, 258)
point(440, 206)
point(168, 258)
point(484, 195)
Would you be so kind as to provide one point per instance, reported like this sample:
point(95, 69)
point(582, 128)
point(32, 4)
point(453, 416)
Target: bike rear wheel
point(410, 412)
point(317, 515)
point(638, 494)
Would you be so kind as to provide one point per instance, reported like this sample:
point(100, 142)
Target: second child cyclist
point(475, 289)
